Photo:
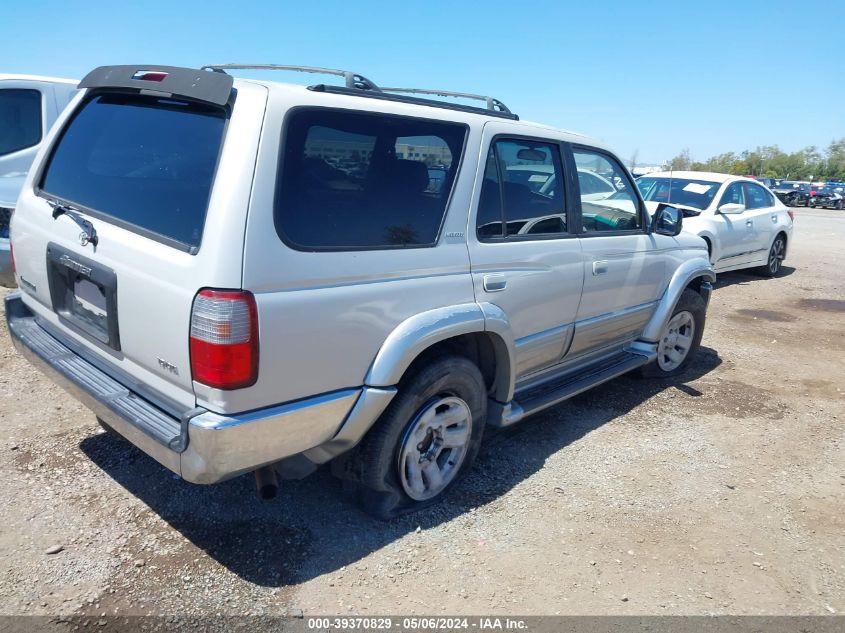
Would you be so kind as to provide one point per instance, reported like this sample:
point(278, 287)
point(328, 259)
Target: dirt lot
point(721, 492)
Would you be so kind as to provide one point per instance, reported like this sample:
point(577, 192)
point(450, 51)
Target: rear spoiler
point(167, 81)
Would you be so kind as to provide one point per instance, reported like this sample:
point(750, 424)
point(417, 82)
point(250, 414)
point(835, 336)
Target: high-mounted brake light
point(149, 75)
point(224, 339)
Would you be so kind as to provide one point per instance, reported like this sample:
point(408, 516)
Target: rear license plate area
point(84, 295)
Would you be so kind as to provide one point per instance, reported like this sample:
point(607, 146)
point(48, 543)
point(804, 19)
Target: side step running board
point(563, 387)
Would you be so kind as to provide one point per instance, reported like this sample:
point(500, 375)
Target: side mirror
point(731, 209)
point(667, 220)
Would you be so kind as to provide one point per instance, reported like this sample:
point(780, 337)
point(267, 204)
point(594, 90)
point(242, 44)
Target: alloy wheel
point(677, 339)
point(434, 447)
point(775, 256)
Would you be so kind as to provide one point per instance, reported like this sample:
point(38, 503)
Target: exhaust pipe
point(266, 482)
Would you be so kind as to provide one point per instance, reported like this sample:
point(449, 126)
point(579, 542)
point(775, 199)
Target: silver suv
point(240, 275)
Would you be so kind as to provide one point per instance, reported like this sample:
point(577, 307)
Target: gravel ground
point(719, 492)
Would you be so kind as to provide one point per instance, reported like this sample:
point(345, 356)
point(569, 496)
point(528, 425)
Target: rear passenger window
point(351, 180)
point(608, 198)
point(758, 198)
point(522, 191)
point(20, 119)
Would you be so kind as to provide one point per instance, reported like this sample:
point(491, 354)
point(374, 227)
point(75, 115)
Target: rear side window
point(143, 162)
point(20, 119)
point(758, 198)
point(352, 181)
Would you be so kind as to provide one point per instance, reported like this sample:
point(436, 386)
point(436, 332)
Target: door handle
point(599, 268)
point(494, 283)
point(749, 223)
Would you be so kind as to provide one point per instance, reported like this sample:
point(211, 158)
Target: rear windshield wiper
point(89, 233)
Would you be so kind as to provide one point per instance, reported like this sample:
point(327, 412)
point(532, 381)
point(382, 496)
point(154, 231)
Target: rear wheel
point(776, 254)
point(424, 442)
point(681, 337)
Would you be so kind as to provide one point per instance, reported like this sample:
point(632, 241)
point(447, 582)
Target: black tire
point(373, 466)
point(777, 252)
point(693, 303)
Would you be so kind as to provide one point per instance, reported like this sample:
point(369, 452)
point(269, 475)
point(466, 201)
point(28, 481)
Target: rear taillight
point(12, 257)
point(791, 214)
point(224, 339)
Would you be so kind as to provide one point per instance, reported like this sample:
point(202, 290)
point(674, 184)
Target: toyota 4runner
point(240, 275)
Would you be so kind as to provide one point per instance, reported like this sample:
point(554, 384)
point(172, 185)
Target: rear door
point(760, 209)
point(525, 257)
point(139, 202)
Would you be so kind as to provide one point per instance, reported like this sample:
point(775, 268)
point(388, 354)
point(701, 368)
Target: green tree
point(681, 162)
point(771, 161)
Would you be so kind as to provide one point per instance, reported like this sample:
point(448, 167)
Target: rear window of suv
point(354, 181)
point(145, 163)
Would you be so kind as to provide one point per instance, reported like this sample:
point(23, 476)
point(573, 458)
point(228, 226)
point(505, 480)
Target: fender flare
point(418, 333)
point(686, 273)
point(715, 246)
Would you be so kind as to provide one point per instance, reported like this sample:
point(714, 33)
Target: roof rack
point(353, 80)
point(358, 85)
point(492, 103)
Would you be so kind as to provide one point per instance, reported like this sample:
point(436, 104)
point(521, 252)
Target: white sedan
point(743, 223)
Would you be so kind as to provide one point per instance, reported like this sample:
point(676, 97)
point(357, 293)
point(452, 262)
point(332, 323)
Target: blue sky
point(645, 77)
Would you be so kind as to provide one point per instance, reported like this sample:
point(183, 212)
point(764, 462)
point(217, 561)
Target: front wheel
point(776, 255)
point(681, 337)
point(424, 442)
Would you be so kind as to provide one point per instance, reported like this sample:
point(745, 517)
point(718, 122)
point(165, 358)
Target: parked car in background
point(819, 193)
point(398, 318)
point(828, 197)
point(593, 186)
point(743, 223)
point(792, 193)
point(28, 107)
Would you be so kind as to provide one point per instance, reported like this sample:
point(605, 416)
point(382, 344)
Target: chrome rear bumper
point(201, 446)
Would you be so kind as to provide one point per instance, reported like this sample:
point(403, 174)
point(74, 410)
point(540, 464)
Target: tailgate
point(139, 202)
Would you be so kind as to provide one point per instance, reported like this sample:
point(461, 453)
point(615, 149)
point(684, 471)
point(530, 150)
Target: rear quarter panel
point(323, 316)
